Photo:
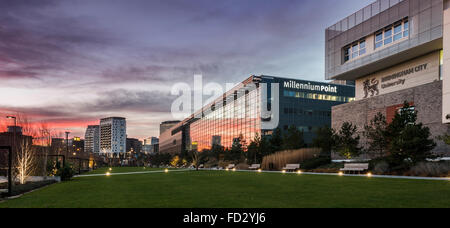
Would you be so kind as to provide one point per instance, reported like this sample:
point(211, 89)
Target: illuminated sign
point(312, 87)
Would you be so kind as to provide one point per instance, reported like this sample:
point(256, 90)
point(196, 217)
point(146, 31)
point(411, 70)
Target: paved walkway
point(131, 173)
point(280, 172)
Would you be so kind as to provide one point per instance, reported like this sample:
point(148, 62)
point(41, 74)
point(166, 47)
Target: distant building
point(18, 129)
point(76, 146)
point(164, 126)
point(113, 135)
point(134, 145)
point(92, 139)
point(151, 145)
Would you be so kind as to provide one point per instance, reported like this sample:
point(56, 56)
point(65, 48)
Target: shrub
point(278, 160)
point(431, 169)
point(66, 173)
point(315, 163)
point(381, 168)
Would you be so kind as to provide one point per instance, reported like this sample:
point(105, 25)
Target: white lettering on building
point(309, 86)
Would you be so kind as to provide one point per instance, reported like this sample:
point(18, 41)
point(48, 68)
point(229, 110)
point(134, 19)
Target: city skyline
point(77, 64)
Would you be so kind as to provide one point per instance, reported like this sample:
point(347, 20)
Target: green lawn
point(217, 189)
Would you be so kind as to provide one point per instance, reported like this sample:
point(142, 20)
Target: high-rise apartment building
point(92, 139)
point(113, 135)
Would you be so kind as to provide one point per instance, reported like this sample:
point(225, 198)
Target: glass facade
point(238, 112)
point(222, 124)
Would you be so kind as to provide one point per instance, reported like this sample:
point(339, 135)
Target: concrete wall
point(426, 98)
point(446, 66)
point(426, 31)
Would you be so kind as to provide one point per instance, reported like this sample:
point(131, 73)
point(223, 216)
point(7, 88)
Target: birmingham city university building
point(395, 51)
point(258, 105)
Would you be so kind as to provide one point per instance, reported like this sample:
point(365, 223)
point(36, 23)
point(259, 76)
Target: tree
point(325, 139)
point(174, 161)
point(413, 143)
point(237, 150)
point(257, 149)
point(376, 135)
point(293, 139)
point(195, 159)
point(445, 138)
point(347, 141)
point(25, 160)
point(276, 141)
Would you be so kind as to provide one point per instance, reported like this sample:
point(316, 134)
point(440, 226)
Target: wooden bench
point(255, 166)
point(355, 167)
point(291, 167)
point(231, 166)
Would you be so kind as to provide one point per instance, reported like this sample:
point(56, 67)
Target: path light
point(108, 174)
point(110, 169)
point(299, 172)
point(227, 169)
point(341, 174)
point(369, 174)
point(166, 170)
point(259, 170)
point(234, 169)
point(284, 171)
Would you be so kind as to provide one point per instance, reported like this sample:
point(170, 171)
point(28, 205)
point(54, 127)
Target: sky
point(70, 63)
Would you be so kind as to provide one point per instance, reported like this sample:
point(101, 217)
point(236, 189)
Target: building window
point(354, 50)
point(392, 34)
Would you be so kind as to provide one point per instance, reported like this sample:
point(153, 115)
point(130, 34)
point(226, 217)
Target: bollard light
point(259, 170)
point(341, 174)
point(108, 174)
point(369, 174)
point(166, 170)
point(299, 172)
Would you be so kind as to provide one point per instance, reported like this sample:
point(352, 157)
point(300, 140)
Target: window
point(392, 34)
point(354, 50)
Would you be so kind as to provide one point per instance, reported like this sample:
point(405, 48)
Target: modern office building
point(151, 145)
point(92, 139)
point(395, 51)
point(258, 105)
point(113, 135)
point(166, 125)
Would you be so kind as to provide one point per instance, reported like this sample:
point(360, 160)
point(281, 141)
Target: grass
point(219, 189)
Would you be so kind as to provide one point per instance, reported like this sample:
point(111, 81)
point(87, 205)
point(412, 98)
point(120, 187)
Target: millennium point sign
point(312, 87)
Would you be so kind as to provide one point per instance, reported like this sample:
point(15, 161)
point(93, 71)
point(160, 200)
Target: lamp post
point(67, 143)
point(11, 154)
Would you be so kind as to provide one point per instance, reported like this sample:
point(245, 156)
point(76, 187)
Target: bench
point(230, 166)
point(291, 167)
point(355, 167)
point(254, 167)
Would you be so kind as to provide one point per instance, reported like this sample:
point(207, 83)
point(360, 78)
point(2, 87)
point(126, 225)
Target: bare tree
point(25, 160)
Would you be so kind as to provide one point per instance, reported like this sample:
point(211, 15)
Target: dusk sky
point(70, 63)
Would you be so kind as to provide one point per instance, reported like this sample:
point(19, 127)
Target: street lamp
point(67, 143)
point(11, 153)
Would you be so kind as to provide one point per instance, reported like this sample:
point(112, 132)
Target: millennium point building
point(258, 105)
point(395, 51)
point(113, 135)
